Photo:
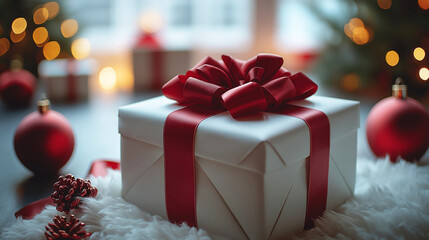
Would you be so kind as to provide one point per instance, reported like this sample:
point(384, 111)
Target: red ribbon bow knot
point(241, 87)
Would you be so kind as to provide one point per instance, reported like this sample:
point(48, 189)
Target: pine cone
point(67, 190)
point(61, 229)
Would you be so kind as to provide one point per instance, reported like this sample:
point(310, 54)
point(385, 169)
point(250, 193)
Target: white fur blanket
point(391, 202)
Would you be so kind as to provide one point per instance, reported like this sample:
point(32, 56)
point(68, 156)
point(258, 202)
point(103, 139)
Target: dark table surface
point(94, 123)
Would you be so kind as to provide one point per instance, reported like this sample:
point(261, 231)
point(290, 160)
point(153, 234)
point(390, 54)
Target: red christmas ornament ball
point(398, 127)
point(17, 87)
point(44, 140)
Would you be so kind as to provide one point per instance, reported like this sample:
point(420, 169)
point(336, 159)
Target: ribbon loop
point(205, 93)
point(255, 74)
point(214, 75)
point(245, 99)
point(279, 90)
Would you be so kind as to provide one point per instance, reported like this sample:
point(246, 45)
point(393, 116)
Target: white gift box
point(67, 80)
point(147, 63)
point(251, 174)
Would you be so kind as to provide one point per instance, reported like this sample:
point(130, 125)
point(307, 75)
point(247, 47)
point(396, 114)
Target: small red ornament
point(63, 229)
point(17, 87)
point(44, 140)
point(67, 191)
point(398, 126)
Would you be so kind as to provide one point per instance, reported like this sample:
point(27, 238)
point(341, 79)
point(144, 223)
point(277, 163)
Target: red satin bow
point(241, 87)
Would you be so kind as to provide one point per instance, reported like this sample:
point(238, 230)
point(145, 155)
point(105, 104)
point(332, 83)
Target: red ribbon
point(149, 41)
point(98, 169)
point(242, 88)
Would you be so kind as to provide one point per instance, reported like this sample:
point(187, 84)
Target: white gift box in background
point(148, 63)
point(251, 175)
point(67, 80)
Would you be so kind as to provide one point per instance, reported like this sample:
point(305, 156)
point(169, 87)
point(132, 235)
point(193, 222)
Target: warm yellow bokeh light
point(17, 37)
point(392, 58)
point(19, 25)
point(4, 46)
point(419, 53)
point(107, 78)
point(424, 74)
point(348, 31)
point(40, 15)
point(355, 23)
point(151, 22)
point(40, 35)
point(384, 4)
point(355, 29)
point(80, 48)
point(424, 4)
point(360, 35)
point(53, 9)
point(350, 82)
point(51, 50)
point(69, 28)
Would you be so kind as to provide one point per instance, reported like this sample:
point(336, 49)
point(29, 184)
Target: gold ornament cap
point(43, 105)
point(399, 89)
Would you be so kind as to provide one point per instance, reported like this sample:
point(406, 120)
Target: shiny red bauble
point(398, 128)
point(17, 88)
point(44, 141)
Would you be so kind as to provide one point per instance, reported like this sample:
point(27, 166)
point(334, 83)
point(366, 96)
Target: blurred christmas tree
point(380, 40)
point(31, 31)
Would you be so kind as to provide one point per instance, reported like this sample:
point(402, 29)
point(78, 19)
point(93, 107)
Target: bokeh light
point(40, 35)
point(151, 22)
point(424, 4)
point(350, 82)
point(80, 48)
point(392, 58)
point(355, 29)
point(355, 23)
point(16, 38)
point(4, 46)
point(360, 35)
point(69, 28)
point(384, 4)
point(53, 9)
point(107, 78)
point(419, 53)
point(40, 15)
point(19, 25)
point(424, 74)
point(348, 30)
point(51, 50)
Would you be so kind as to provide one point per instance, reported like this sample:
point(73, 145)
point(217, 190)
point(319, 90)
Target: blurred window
point(114, 24)
point(226, 24)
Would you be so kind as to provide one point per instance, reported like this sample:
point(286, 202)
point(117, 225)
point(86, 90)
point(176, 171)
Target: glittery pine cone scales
point(67, 191)
point(64, 229)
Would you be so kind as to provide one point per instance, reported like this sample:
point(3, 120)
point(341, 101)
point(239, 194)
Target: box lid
point(225, 139)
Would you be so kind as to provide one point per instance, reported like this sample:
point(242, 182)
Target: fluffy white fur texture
point(391, 202)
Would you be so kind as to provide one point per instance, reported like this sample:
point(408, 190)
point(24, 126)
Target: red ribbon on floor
point(98, 169)
point(242, 88)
